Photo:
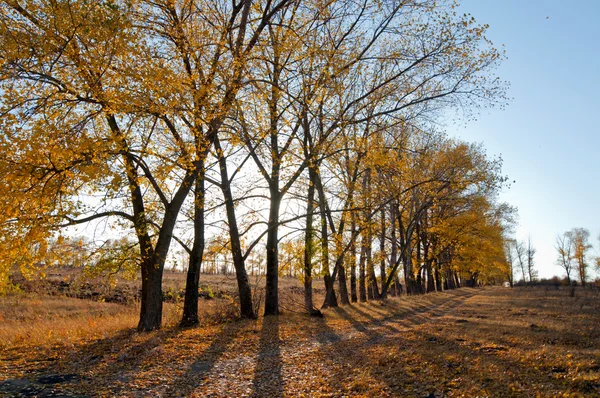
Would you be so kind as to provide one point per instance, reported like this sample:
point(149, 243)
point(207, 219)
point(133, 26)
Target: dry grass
point(28, 320)
point(44, 320)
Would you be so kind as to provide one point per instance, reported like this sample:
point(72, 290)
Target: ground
point(468, 342)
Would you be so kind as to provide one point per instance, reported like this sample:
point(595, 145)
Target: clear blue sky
point(549, 135)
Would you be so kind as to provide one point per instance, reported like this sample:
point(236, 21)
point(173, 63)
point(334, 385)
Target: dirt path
point(462, 343)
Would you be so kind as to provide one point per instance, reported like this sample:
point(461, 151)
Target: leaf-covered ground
point(468, 342)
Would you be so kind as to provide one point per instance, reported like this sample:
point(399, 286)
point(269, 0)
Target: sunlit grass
point(29, 320)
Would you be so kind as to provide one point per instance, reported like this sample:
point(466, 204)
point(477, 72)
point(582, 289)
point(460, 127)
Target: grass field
point(468, 342)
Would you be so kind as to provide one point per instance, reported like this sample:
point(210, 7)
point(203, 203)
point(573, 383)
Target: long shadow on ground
point(267, 380)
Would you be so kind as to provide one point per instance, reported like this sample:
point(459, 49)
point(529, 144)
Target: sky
point(549, 135)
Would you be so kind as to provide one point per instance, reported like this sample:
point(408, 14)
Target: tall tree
point(509, 246)
point(531, 271)
point(522, 259)
point(581, 246)
point(564, 247)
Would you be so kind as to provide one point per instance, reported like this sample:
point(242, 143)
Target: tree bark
point(373, 291)
point(362, 286)
point(309, 250)
point(438, 278)
point(394, 250)
point(353, 296)
point(244, 289)
point(190, 302)
point(343, 285)
point(272, 277)
point(382, 252)
point(330, 298)
point(151, 299)
point(152, 258)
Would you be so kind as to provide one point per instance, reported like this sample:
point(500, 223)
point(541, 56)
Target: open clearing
point(467, 342)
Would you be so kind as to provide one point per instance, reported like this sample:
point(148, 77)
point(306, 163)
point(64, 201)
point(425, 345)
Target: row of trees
point(273, 121)
point(573, 249)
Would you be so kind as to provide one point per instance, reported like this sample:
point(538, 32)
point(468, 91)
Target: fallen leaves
point(412, 346)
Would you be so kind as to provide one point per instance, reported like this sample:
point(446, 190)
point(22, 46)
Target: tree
point(580, 240)
point(564, 247)
point(509, 245)
point(522, 259)
point(530, 261)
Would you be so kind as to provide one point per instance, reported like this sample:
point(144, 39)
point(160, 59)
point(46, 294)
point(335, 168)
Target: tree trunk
point(394, 254)
point(362, 290)
point(309, 251)
point(430, 279)
point(272, 278)
point(430, 284)
point(340, 269)
point(353, 296)
point(245, 292)
point(397, 285)
point(450, 282)
point(419, 281)
point(344, 299)
point(373, 291)
point(382, 275)
point(330, 298)
point(153, 266)
point(190, 302)
point(456, 279)
point(409, 278)
point(438, 278)
point(152, 296)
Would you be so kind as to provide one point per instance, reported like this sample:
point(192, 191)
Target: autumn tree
point(580, 241)
point(564, 247)
point(84, 130)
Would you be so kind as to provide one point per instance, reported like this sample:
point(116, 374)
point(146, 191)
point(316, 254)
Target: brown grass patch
point(28, 320)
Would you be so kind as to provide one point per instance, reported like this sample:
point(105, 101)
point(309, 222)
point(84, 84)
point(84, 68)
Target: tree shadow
point(199, 369)
point(68, 370)
point(267, 381)
point(370, 318)
point(125, 364)
point(489, 368)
